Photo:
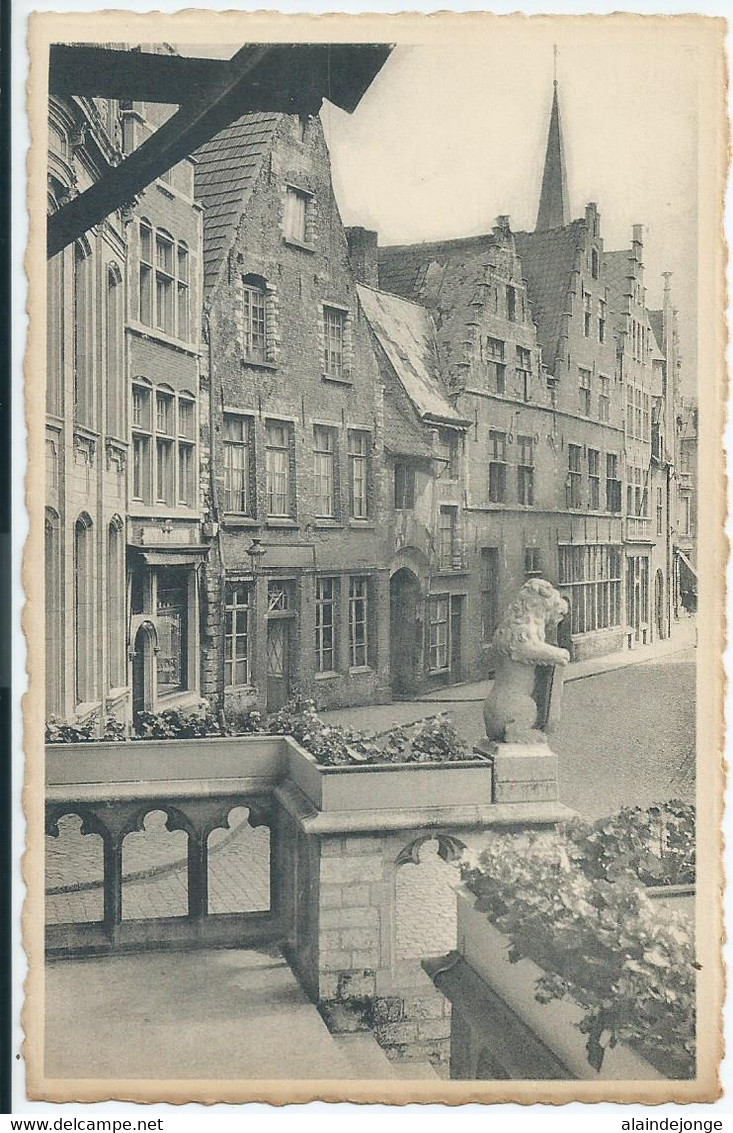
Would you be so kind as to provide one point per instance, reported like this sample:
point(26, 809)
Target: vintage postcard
point(375, 379)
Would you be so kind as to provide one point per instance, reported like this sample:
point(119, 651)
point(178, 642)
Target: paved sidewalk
point(683, 637)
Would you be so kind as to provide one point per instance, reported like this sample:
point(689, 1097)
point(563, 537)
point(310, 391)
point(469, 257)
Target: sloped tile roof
point(548, 258)
point(403, 434)
point(656, 319)
point(617, 270)
point(227, 169)
point(403, 268)
point(406, 333)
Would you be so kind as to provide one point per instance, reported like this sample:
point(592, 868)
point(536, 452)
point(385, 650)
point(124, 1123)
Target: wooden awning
point(210, 93)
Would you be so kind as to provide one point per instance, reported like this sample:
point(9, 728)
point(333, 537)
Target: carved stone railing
point(112, 787)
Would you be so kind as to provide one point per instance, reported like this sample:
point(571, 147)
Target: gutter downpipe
point(212, 478)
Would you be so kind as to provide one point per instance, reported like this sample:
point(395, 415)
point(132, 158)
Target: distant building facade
point(283, 460)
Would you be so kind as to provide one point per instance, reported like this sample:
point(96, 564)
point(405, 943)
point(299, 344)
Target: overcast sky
point(449, 137)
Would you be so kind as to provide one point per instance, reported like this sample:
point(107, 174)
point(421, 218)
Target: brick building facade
point(297, 591)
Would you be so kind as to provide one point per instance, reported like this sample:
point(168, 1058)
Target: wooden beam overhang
point(281, 78)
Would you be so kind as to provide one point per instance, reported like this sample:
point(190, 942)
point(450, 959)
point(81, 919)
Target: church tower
point(553, 211)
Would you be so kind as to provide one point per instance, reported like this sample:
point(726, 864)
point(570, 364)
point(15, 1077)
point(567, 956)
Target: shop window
point(172, 621)
point(591, 576)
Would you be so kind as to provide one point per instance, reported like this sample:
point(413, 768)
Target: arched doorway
point(659, 605)
point(405, 604)
point(142, 670)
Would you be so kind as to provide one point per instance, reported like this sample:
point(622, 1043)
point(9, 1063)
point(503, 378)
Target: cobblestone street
point(631, 757)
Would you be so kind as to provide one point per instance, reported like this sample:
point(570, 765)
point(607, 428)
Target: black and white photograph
point(378, 371)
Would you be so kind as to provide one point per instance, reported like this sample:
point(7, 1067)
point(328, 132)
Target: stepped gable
point(227, 169)
point(548, 260)
point(415, 271)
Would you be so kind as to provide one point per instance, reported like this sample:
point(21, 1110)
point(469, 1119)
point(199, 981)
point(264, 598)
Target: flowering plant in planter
point(86, 731)
point(599, 938)
point(179, 723)
point(433, 740)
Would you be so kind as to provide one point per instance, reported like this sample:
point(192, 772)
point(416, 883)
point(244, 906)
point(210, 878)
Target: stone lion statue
point(510, 710)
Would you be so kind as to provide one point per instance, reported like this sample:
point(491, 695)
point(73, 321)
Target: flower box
point(390, 786)
point(556, 1024)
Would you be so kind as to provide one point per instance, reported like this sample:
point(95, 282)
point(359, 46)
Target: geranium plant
point(434, 740)
point(627, 960)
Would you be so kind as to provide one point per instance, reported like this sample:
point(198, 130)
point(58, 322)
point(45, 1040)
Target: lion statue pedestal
point(524, 702)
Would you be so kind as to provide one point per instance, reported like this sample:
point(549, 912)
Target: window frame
point(326, 605)
point(359, 635)
point(232, 609)
point(285, 459)
point(240, 469)
point(497, 466)
point(359, 460)
point(525, 470)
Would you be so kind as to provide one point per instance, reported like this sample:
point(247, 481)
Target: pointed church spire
point(553, 211)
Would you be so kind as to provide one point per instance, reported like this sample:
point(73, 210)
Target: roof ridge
point(394, 295)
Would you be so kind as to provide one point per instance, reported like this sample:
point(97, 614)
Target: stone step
point(365, 1055)
point(415, 1071)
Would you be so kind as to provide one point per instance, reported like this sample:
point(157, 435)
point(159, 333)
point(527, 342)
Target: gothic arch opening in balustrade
point(239, 864)
point(155, 865)
point(74, 867)
point(426, 878)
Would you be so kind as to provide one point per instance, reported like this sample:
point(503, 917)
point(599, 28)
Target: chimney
point(363, 255)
